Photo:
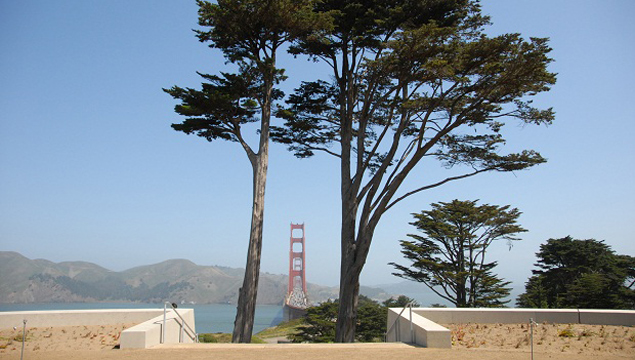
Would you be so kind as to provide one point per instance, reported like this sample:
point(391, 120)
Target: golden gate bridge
point(296, 300)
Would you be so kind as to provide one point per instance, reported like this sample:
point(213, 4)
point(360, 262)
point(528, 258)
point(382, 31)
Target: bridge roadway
point(356, 351)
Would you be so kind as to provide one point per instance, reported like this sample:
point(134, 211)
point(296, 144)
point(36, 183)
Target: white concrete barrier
point(147, 333)
point(517, 316)
point(9, 319)
point(604, 317)
point(423, 331)
point(150, 332)
point(427, 332)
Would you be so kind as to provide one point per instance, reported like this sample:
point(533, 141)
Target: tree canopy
point(449, 257)
point(411, 80)
point(250, 34)
point(580, 274)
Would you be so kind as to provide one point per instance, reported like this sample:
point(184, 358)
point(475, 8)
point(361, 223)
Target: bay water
point(209, 318)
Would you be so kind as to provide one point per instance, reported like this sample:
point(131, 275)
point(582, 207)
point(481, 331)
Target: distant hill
point(23, 280)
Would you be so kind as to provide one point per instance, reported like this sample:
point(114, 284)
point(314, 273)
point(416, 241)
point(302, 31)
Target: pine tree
point(449, 257)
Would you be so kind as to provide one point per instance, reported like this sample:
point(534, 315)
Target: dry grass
point(547, 338)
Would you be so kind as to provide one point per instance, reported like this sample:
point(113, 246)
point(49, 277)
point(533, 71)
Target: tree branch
point(431, 186)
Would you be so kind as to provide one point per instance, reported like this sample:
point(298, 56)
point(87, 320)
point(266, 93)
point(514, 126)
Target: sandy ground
point(470, 341)
point(602, 341)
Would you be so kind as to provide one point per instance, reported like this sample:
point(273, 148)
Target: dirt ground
point(599, 340)
point(470, 341)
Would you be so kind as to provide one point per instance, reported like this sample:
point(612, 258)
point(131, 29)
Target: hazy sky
point(91, 170)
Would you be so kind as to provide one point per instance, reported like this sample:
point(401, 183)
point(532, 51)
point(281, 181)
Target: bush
point(319, 322)
point(207, 338)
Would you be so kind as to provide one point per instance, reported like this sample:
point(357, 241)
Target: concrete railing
point(427, 332)
point(146, 334)
point(421, 331)
point(150, 332)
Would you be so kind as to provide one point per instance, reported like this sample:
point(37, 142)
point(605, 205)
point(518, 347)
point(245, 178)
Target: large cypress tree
point(250, 34)
point(411, 80)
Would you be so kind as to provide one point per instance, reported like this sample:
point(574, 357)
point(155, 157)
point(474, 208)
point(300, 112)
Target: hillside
point(41, 281)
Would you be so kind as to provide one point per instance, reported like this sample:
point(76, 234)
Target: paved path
point(379, 351)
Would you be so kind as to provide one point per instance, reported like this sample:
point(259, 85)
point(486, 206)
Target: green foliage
point(222, 338)
point(450, 257)
point(400, 301)
point(319, 322)
point(249, 33)
point(208, 338)
point(436, 305)
point(428, 63)
point(580, 274)
point(371, 322)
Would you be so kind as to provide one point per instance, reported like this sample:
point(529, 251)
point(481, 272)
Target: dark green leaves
point(416, 73)
point(580, 274)
point(319, 322)
point(253, 29)
point(449, 257)
point(217, 111)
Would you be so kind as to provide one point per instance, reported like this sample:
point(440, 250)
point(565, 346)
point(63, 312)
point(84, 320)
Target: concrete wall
point(147, 333)
point(517, 316)
point(150, 332)
point(427, 332)
point(424, 332)
point(10, 319)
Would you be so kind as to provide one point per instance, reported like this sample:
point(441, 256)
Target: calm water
point(209, 318)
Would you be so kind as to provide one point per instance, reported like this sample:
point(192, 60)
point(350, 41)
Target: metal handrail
point(408, 305)
point(193, 335)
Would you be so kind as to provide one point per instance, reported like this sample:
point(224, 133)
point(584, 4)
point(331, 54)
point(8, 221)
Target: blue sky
point(91, 170)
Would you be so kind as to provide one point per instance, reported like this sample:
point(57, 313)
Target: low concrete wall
point(10, 319)
point(517, 316)
point(427, 332)
point(150, 332)
point(424, 331)
point(147, 333)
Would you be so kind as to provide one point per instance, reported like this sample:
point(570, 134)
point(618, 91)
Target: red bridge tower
point(296, 300)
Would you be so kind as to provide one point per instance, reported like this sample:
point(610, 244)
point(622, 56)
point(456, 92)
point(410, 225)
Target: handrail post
point(181, 333)
point(165, 309)
point(531, 322)
point(412, 333)
point(23, 338)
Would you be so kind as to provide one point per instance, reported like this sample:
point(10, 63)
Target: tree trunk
point(349, 296)
point(246, 309)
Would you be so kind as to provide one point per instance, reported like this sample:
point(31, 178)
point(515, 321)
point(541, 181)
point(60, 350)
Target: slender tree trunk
point(243, 326)
point(246, 309)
